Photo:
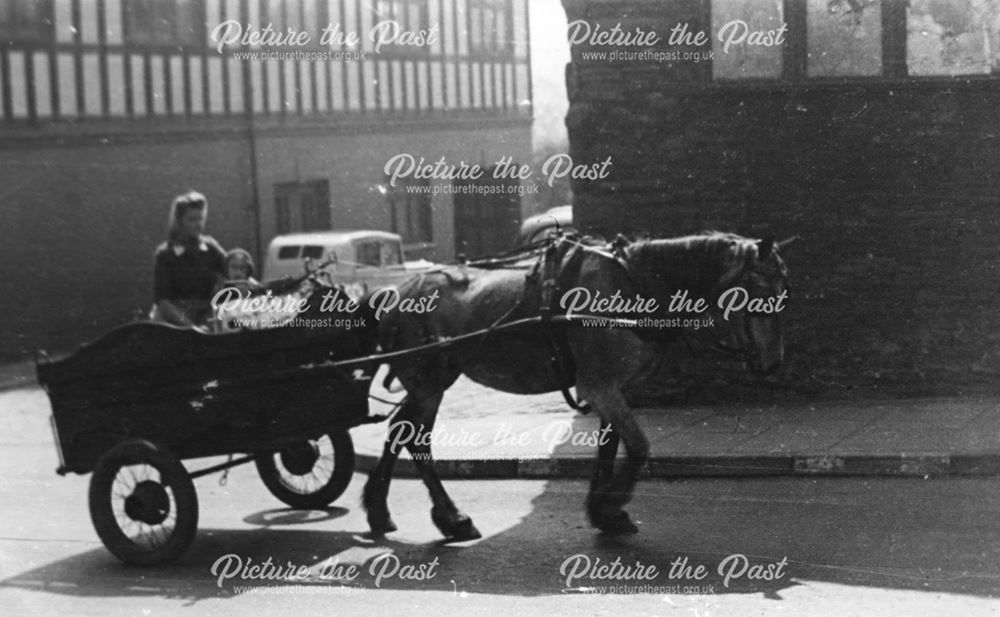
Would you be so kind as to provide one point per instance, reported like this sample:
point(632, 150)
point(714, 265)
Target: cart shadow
point(850, 538)
point(913, 535)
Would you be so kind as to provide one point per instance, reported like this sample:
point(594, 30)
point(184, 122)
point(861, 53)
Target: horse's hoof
point(464, 532)
point(380, 525)
point(616, 523)
point(455, 526)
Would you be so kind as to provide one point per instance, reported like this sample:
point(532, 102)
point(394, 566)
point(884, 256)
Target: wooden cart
point(132, 405)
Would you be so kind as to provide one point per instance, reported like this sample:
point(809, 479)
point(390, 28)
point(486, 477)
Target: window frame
point(405, 10)
point(794, 74)
point(494, 43)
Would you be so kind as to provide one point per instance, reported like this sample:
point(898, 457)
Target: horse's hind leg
point(376, 493)
point(454, 525)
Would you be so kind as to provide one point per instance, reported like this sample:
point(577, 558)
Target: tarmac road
point(830, 546)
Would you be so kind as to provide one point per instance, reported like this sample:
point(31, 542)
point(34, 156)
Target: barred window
point(411, 15)
point(488, 28)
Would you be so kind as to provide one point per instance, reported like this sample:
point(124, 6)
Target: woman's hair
point(192, 200)
point(241, 256)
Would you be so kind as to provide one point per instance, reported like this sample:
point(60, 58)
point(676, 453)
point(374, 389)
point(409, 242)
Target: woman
point(188, 265)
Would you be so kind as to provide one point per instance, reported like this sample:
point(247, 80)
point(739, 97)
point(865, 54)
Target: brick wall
point(893, 186)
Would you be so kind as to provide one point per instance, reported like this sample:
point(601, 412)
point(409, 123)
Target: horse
point(465, 333)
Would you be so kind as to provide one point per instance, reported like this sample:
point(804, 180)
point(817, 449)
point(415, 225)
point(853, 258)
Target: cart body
point(199, 394)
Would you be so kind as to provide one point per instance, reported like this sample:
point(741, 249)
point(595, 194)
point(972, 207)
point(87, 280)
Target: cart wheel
point(310, 474)
point(143, 504)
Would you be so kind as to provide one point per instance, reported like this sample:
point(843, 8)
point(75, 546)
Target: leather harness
point(553, 261)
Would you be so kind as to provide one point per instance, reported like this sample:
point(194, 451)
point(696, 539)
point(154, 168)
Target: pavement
point(482, 433)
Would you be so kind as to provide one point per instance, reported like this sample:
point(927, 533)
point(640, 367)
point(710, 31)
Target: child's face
point(238, 271)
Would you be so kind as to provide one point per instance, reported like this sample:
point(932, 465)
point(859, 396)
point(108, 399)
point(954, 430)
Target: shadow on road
point(927, 535)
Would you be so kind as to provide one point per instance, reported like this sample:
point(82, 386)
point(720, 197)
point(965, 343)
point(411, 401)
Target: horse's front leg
point(609, 492)
point(607, 450)
point(453, 524)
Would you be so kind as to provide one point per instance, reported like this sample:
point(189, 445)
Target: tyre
point(143, 504)
point(311, 474)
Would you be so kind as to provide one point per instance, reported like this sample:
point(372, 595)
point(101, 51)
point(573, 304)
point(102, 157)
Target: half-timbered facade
point(108, 108)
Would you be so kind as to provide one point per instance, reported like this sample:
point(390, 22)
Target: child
point(239, 272)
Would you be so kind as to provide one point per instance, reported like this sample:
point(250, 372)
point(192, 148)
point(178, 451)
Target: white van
point(365, 260)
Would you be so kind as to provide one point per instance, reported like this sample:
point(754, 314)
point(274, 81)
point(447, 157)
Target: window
point(410, 15)
point(312, 251)
point(953, 37)
point(302, 206)
point(410, 211)
point(368, 254)
point(488, 26)
point(165, 22)
point(26, 20)
point(844, 38)
point(379, 253)
point(857, 38)
point(736, 20)
point(282, 14)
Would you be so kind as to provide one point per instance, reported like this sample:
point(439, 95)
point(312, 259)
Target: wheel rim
point(143, 506)
point(307, 467)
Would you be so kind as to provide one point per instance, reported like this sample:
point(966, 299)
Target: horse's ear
point(764, 247)
point(787, 241)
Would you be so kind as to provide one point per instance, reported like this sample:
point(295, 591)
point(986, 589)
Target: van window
point(288, 252)
point(312, 251)
point(392, 254)
point(369, 254)
point(379, 253)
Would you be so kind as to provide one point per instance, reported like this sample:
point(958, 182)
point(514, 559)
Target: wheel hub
point(300, 458)
point(149, 503)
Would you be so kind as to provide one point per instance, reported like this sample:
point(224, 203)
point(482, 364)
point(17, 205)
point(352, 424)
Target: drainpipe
point(248, 101)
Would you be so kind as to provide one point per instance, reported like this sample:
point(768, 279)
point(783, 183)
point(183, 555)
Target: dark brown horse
point(598, 360)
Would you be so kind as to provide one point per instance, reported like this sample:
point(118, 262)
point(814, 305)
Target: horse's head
point(726, 269)
point(755, 326)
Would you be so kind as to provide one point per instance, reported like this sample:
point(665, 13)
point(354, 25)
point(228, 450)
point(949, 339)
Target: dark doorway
point(487, 215)
point(302, 206)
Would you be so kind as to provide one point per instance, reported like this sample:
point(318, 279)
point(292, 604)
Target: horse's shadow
point(829, 533)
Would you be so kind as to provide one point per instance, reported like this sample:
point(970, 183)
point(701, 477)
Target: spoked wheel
point(310, 474)
point(143, 504)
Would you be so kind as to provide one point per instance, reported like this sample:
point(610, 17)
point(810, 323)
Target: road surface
point(795, 546)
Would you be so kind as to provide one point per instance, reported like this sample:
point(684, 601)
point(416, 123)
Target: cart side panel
point(202, 395)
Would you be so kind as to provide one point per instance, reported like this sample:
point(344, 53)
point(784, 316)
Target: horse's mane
point(698, 263)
